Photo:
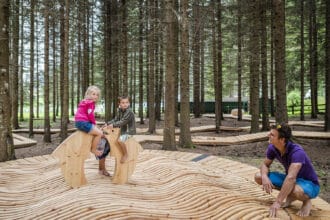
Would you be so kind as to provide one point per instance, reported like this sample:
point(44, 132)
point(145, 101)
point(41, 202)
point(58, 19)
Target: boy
point(124, 119)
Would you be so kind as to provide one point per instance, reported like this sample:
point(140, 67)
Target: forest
point(170, 57)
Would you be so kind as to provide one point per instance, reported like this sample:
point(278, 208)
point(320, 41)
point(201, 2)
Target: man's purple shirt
point(294, 154)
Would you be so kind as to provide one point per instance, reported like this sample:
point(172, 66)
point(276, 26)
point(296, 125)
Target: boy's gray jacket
point(124, 119)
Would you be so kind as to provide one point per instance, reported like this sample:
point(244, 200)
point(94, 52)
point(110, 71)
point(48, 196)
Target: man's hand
point(273, 209)
point(267, 184)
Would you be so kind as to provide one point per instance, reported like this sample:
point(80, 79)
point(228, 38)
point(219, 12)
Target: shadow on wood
point(122, 171)
point(74, 150)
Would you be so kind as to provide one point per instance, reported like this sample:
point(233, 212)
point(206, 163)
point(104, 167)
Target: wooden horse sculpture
point(74, 150)
point(72, 153)
point(122, 170)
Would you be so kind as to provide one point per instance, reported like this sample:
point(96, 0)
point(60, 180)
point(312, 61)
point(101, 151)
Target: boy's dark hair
point(123, 97)
point(284, 131)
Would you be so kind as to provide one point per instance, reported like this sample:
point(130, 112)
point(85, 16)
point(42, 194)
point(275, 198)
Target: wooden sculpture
point(74, 150)
point(72, 153)
point(122, 171)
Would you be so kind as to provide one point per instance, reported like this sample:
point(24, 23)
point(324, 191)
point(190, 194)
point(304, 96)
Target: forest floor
point(250, 153)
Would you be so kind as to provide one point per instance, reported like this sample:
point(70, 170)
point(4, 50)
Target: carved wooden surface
point(165, 185)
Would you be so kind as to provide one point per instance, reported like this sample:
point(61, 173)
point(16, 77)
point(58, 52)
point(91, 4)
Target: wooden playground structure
point(165, 185)
point(154, 184)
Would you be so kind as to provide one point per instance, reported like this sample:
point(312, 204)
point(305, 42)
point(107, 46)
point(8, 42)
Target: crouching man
point(300, 181)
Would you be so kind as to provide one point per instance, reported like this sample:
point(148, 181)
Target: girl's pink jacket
point(85, 111)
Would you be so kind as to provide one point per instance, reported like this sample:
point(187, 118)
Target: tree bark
point(15, 74)
point(107, 60)
point(54, 70)
point(196, 60)
point(65, 69)
point(170, 77)
point(302, 60)
point(313, 57)
point(85, 27)
point(254, 49)
point(6, 140)
point(31, 115)
point(264, 77)
point(239, 59)
point(21, 89)
point(47, 135)
point(124, 48)
point(151, 74)
point(281, 114)
point(218, 77)
point(327, 70)
point(185, 135)
point(114, 56)
point(141, 61)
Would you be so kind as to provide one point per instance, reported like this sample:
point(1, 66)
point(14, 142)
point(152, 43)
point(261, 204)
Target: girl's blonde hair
point(91, 89)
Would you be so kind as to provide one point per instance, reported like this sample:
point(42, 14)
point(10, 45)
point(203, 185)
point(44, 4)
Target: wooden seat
point(21, 142)
point(73, 152)
point(122, 170)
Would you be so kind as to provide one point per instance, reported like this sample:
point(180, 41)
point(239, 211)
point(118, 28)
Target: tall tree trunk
point(176, 61)
point(158, 51)
point(254, 49)
point(114, 55)
point(72, 80)
point(327, 69)
point(202, 59)
point(133, 87)
point(281, 114)
point(124, 48)
point(218, 72)
point(21, 89)
point(239, 59)
point(6, 141)
point(215, 64)
point(141, 61)
point(86, 78)
point(185, 135)
point(196, 60)
point(47, 135)
point(79, 57)
point(272, 52)
point(151, 74)
point(170, 77)
point(15, 74)
point(37, 64)
point(55, 103)
point(92, 58)
point(107, 60)
point(263, 50)
point(302, 59)
point(31, 116)
point(313, 57)
point(65, 68)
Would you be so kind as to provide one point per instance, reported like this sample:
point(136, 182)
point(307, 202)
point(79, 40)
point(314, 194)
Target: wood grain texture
point(165, 185)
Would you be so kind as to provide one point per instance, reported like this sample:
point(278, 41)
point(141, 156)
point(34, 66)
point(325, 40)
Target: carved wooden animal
point(122, 170)
point(74, 150)
point(72, 153)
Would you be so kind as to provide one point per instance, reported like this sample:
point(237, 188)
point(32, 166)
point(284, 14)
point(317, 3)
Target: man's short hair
point(284, 131)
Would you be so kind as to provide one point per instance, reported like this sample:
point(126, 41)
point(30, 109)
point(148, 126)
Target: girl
point(85, 118)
